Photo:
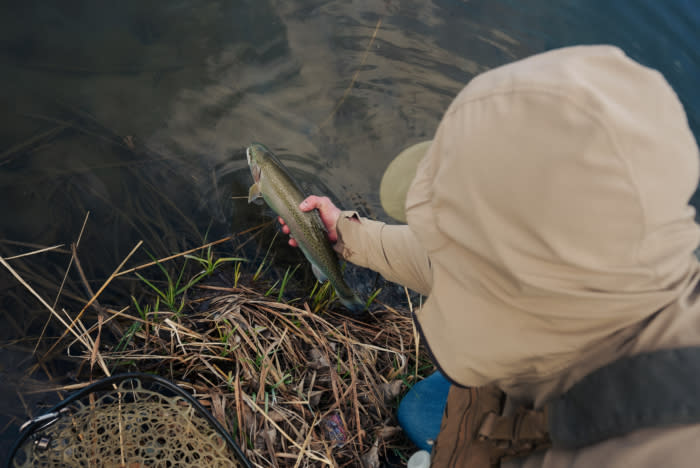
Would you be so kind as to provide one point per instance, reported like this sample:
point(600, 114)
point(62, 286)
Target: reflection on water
point(139, 113)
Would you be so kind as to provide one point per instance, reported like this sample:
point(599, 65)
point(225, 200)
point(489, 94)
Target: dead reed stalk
point(294, 388)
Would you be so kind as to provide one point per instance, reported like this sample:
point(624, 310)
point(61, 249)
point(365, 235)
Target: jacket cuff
point(353, 234)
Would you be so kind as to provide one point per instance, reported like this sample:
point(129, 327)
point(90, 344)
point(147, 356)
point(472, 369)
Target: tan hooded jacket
point(549, 226)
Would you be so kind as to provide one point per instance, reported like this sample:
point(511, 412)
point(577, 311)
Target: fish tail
point(352, 303)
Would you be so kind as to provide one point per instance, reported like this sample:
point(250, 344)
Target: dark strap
point(659, 388)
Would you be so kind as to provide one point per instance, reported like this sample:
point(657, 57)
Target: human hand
point(326, 209)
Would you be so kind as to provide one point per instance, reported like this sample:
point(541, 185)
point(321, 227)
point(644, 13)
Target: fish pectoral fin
point(318, 273)
point(254, 194)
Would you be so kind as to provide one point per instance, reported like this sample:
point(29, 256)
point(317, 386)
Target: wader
point(655, 389)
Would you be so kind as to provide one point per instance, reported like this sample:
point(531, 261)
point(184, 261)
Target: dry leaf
point(318, 360)
point(315, 398)
point(276, 416)
point(388, 432)
point(391, 390)
point(218, 408)
point(371, 458)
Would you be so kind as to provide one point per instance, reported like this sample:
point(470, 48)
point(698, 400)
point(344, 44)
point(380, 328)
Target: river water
point(138, 112)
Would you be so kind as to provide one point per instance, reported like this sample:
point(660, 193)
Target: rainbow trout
point(274, 184)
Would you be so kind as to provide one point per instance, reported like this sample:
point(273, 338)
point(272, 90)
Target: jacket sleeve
point(391, 250)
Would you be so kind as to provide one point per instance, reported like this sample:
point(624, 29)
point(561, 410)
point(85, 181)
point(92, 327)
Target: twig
point(416, 335)
point(34, 252)
point(353, 385)
point(51, 309)
point(93, 299)
point(252, 403)
point(307, 439)
point(60, 289)
point(171, 257)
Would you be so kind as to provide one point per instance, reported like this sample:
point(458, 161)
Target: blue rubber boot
point(420, 411)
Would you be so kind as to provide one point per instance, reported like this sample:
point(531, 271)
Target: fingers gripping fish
point(280, 191)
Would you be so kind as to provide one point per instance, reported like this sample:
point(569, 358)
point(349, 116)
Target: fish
point(274, 184)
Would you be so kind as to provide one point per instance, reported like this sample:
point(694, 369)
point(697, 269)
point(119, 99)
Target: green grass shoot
point(236, 274)
point(264, 262)
point(272, 288)
point(209, 265)
point(322, 295)
point(372, 297)
point(174, 288)
point(285, 280)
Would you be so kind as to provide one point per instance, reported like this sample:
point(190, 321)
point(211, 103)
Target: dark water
point(138, 113)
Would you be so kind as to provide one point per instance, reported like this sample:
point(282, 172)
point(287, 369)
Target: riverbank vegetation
point(286, 370)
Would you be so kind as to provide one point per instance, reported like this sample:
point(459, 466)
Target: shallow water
point(139, 113)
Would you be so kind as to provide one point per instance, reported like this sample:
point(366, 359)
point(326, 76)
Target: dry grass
point(294, 388)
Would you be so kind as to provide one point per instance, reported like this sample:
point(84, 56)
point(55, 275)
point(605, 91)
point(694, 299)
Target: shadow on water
point(138, 114)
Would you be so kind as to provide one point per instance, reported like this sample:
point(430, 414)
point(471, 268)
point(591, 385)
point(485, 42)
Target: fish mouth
point(247, 154)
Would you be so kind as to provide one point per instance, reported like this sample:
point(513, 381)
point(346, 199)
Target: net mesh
point(130, 426)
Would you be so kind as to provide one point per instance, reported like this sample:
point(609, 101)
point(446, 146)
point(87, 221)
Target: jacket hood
point(553, 203)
